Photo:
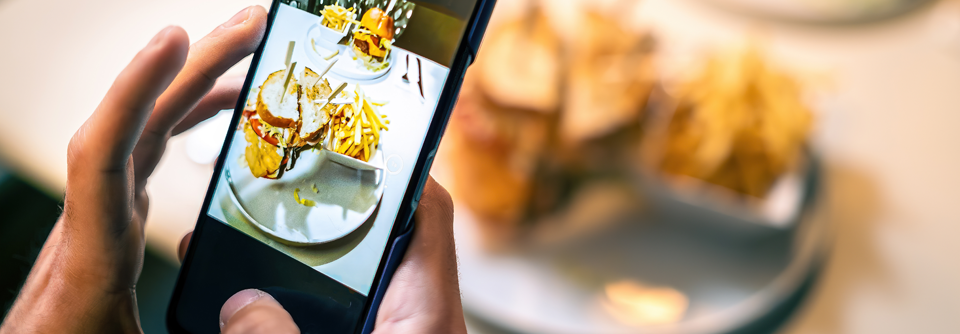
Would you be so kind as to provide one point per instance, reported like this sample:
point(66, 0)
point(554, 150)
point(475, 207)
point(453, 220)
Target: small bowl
point(376, 161)
point(332, 36)
point(715, 209)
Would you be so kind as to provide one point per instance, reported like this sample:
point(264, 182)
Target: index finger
point(208, 59)
point(109, 136)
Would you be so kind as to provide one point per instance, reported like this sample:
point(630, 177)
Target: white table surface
point(889, 135)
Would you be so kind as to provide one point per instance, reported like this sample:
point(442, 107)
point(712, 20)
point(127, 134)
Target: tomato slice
point(258, 129)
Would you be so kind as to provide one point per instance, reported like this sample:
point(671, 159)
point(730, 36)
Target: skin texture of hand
point(423, 297)
point(84, 278)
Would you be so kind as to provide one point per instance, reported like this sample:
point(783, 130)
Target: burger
point(373, 39)
point(281, 120)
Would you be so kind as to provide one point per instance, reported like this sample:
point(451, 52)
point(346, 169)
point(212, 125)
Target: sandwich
point(373, 40)
point(289, 116)
point(314, 111)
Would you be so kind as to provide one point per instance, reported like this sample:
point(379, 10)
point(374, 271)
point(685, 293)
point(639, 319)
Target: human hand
point(423, 297)
point(84, 278)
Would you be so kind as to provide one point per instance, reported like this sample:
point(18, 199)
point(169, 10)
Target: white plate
point(345, 199)
point(725, 288)
point(347, 68)
point(725, 285)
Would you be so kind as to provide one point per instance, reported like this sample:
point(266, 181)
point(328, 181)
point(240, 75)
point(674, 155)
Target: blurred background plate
point(644, 275)
point(823, 11)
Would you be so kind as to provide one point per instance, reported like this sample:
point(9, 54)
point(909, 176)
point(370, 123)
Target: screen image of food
point(332, 127)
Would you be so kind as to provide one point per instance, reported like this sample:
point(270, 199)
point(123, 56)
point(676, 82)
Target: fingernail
point(160, 35)
point(239, 18)
point(238, 301)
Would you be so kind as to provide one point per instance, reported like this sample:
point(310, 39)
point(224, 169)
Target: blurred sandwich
point(520, 64)
point(546, 123)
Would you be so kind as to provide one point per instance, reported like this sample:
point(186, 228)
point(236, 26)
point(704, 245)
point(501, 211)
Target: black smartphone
point(330, 145)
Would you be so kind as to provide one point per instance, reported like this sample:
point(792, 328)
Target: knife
point(420, 78)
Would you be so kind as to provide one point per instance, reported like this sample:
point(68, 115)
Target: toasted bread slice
point(313, 95)
point(607, 83)
point(269, 106)
point(520, 66)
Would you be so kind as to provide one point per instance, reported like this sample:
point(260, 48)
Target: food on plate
point(283, 117)
point(544, 126)
point(495, 152)
point(373, 39)
point(635, 303)
point(337, 17)
point(519, 65)
point(262, 157)
point(269, 128)
point(331, 55)
point(739, 123)
point(610, 75)
point(314, 110)
point(355, 127)
point(313, 45)
point(277, 102)
point(301, 200)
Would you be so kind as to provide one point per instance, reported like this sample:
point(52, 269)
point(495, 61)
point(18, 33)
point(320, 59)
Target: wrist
point(59, 297)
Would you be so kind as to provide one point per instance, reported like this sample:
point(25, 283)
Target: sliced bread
point(313, 108)
point(274, 108)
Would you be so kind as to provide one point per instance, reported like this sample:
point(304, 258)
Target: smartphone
point(329, 147)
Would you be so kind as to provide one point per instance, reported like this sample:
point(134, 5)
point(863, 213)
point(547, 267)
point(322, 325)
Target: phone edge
point(402, 229)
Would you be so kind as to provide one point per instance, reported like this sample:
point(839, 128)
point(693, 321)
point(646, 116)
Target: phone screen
point(316, 170)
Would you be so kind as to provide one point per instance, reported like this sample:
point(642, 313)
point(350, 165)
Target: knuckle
point(208, 79)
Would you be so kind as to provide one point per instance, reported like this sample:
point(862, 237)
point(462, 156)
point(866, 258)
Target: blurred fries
point(739, 124)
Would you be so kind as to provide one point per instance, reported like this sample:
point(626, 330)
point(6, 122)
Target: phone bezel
point(466, 52)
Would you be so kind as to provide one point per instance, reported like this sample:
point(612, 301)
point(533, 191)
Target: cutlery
point(406, 79)
point(420, 78)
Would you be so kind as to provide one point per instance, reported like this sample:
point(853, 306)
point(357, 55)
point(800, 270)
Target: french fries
point(355, 128)
point(301, 200)
point(337, 18)
point(740, 124)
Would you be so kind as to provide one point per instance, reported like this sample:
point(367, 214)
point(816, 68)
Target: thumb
point(253, 311)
